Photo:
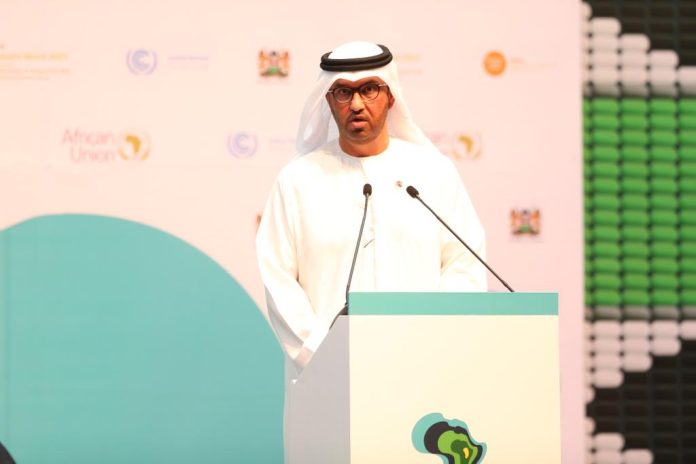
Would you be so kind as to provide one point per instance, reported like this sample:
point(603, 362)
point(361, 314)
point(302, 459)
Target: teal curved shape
point(121, 343)
point(421, 427)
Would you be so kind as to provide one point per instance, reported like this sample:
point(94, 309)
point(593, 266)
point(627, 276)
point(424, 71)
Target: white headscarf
point(317, 125)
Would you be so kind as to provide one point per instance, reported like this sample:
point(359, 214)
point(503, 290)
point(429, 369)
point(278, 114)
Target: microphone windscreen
point(367, 189)
point(411, 190)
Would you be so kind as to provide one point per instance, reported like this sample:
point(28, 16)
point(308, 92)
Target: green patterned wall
point(640, 230)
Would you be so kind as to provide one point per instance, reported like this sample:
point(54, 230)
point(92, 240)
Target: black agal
point(356, 64)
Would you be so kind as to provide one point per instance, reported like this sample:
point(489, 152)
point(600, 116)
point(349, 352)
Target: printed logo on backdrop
point(525, 222)
point(189, 61)
point(242, 144)
point(286, 143)
point(450, 439)
point(33, 64)
point(134, 146)
point(104, 146)
point(142, 61)
point(274, 63)
point(463, 145)
point(494, 63)
point(409, 64)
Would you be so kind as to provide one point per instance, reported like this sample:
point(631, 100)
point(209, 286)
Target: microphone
point(411, 190)
point(367, 192)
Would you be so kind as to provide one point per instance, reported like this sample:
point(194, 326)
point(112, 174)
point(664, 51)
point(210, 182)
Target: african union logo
point(464, 145)
point(449, 439)
point(141, 61)
point(242, 144)
point(134, 146)
point(467, 146)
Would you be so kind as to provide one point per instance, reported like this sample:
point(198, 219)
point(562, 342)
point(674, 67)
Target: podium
point(431, 378)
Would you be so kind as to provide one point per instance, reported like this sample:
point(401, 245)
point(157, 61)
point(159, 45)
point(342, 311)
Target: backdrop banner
point(138, 144)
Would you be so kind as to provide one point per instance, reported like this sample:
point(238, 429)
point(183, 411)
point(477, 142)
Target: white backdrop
point(158, 113)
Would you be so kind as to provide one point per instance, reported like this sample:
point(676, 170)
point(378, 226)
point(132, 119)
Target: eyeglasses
point(368, 91)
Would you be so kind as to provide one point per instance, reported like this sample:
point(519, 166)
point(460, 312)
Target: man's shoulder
point(311, 163)
point(421, 154)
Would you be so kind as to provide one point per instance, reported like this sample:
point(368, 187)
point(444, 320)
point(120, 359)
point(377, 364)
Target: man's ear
point(391, 100)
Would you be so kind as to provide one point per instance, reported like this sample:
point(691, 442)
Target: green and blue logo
point(449, 439)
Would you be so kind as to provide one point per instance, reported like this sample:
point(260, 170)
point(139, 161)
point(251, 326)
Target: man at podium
point(355, 130)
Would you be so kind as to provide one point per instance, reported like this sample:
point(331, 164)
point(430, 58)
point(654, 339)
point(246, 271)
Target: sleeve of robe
point(289, 310)
point(460, 270)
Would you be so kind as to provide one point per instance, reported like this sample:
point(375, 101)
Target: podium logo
point(449, 439)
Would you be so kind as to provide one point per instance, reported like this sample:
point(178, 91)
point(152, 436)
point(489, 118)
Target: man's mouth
point(357, 124)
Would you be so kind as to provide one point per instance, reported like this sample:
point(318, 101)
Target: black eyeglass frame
point(358, 90)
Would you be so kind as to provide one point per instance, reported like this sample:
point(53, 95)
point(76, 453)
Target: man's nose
point(357, 103)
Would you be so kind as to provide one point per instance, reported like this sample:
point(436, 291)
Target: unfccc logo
point(141, 61)
point(242, 144)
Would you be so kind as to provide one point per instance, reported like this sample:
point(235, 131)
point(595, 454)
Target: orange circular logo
point(494, 63)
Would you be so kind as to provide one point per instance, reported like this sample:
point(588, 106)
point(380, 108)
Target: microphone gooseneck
point(367, 192)
point(411, 190)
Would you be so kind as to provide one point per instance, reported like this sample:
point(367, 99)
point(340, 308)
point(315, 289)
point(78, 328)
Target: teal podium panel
point(385, 303)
